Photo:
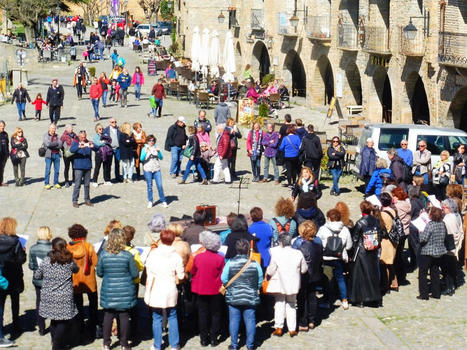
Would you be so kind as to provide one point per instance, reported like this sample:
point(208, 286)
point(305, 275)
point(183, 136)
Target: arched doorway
point(354, 83)
point(458, 109)
point(323, 82)
point(381, 97)
point(418, 100)
point(294, 74)
point(260, 60)
point(238, 58)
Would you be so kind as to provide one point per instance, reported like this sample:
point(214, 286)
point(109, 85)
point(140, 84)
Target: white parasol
point(229, 58)
point(195, 50)
point(214, 55)
point(204, 52)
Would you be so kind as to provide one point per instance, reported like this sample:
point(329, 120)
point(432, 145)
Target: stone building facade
point(354, 50)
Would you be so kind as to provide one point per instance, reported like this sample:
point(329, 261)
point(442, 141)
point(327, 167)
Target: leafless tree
point(150, 8)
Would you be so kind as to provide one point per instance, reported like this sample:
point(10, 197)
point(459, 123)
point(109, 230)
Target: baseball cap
point(181, 119)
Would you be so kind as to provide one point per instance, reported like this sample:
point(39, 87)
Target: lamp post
point(410, 31)
point(57, 10)
point(221, 18)
point(170, 4)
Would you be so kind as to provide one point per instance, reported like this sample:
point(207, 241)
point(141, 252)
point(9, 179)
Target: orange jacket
point(84, 282)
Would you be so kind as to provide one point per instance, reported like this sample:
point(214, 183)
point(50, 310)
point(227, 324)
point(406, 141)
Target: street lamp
point(294, 21)
point(57, 10)
point(170, 4)
point(221, 18)
point(410, 31)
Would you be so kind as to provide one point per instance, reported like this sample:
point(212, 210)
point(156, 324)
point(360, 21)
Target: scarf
point(305, 185)
point(256, 142)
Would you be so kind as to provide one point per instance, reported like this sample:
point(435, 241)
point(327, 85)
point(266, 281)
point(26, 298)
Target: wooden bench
point(354, 109)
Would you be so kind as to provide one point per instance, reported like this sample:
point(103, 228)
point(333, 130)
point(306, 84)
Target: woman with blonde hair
point(117, 268)
point(110, 226)
point(19, 154)
point(442, 175)
point(140, 138)
point(181, 247)
point(306, 183)
point(283, 222)
point(37, 253)
point(127, 145)
point(12, 256)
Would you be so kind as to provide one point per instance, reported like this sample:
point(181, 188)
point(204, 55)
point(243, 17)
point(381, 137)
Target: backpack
point(334, 246)
point(397, 229)
point(370, 239)
point(407, 173)
point(281, 230)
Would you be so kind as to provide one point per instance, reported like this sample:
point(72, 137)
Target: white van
point(387, 136)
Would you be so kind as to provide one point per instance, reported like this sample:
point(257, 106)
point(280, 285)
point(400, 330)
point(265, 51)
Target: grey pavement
point(403, 322)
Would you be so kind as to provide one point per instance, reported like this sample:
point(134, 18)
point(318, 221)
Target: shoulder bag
point(223, 289)
point(41, 151)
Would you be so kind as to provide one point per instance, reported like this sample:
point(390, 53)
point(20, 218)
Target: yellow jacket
point(139, 264)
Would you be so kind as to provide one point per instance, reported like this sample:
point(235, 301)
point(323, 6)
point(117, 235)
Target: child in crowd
point(306, 183)
point(114, 91)
point(153, 103)
point(206, 154)
point(38, 106)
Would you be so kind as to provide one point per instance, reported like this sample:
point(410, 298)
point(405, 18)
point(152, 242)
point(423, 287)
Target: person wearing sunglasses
point(336, 155)
point(422, 161)
point(404, 153)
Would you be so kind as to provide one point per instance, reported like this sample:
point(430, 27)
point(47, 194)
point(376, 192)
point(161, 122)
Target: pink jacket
point(141, 79)
point(207, 270)
point(252, 94)
point(204, 137)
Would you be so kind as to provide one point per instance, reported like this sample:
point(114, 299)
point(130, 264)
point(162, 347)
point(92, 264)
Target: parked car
point(163, 28)
point(143, 29)
point(387, 136)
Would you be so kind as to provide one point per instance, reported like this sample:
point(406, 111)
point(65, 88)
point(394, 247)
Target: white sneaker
point(107, 183)
point(95, 184)
point(149, 205)
point(345, 304)
point(164, 204)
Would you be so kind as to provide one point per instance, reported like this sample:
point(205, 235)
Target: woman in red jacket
point(95, 94)
point(206, 281)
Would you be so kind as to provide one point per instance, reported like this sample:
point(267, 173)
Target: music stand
point(242, 181)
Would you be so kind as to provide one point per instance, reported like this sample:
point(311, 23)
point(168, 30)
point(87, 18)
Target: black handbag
point(449, 242)
point(41, 151)
point(280, 157)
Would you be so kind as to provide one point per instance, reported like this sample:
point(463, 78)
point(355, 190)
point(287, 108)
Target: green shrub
point(92, 71)
point(263, 110)
point(268, 78)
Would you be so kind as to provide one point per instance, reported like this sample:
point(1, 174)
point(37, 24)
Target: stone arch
point(323, 82)
point(380, 99)
point(294, 74)
point(353, 84)
point(417, 99)
point(458, 109)
point(238, 58)
point(260, 62)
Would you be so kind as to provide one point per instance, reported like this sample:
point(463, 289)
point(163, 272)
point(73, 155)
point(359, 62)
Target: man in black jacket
point(311, 151)
point(20, 95)
point(175, 144)
point(54, 101)
point(397, 167)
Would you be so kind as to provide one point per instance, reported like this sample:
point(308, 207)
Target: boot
point(449, 290)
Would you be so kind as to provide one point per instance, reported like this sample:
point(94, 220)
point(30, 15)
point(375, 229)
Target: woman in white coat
point(286, 266)
point(164, 266)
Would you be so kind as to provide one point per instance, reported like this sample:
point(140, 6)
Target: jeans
point(197, 163)
point(127, 166)
point(177, 155)
point(55, 159)
point(425, 177)
point(14, 296)
point(274, 165)
point(159, 102)
point(39, 318)
point(124, 326)
point(21, 109)
point(54, 113)
point(249, 318)
point(221, 164)
point(104, 97)
point(137, 91)
point(210, 316)
point(336, 174)
point(338, 270)
point(256, 167)
point(81, 176)
point(157, 316)
point(116, 160)
point(123, 97)
point(157, 176)
point(95, 105)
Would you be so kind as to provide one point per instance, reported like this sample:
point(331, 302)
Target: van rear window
point(434, 143)
point(454, 142)
point(391, 138)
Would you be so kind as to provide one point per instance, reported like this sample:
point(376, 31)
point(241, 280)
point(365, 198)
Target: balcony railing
point(318, 28)
point(348, 37)
point(376, 40)
point(257, 19)
point(285, 27)
point(415, 47)
point(453, 49)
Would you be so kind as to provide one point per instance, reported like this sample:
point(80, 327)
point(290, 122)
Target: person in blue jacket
point(405, 153)
point(291, 146)
point(377, 180)
point(82, 165)
point(263, 231)
point(124, 79)
point(368, 164)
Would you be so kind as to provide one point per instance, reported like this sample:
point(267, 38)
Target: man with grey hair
point(270, 143)
point(397, 167)
point(224, 152)
point(422, 161)
point(368, 161)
